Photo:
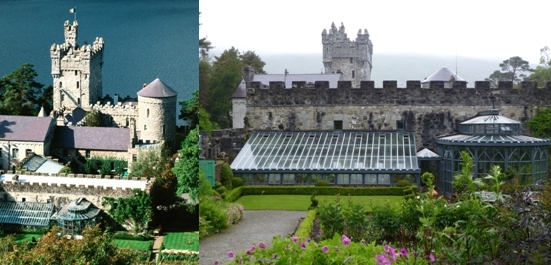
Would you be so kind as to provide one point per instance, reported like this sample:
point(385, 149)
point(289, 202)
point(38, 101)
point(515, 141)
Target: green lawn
point(301, 202)
point(181, 240)
point(133, 244)
point(26, 237)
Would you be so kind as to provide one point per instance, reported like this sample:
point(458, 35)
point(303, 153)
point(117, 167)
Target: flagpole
point(75, 13)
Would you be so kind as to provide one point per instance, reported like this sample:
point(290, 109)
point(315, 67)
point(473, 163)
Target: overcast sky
point(478, 29)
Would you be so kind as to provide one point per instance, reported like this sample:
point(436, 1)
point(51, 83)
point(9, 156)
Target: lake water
point(144, 40)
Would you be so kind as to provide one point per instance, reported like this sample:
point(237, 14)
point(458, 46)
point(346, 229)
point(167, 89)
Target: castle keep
point(76, 70)
point(352, 59)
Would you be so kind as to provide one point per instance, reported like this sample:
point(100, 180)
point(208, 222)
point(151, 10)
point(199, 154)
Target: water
point(144, 40)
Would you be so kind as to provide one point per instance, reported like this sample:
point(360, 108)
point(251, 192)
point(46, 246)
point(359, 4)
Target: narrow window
point(15, 153)
point(78, 101)
point(145, 127)
point(164, 129)
point(353, 73)
point(351, 60)
point(28, 152)
point(76, 72)
point(60, 84)
point(78, 84)
point(148, 113)
point(62, 97)
point(134, 157)
point(337, 125)
point(87, 153)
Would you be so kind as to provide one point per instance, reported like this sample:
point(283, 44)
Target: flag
point(72, 10)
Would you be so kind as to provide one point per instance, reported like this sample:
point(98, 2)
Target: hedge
point(234, 194)
point(305, 228)
point(308, 190)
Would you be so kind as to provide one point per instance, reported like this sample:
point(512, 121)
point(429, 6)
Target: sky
point(483, 29)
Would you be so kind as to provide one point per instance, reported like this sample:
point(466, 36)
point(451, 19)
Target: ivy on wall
point(105, 166)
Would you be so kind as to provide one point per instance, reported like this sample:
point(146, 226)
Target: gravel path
point(256, 226)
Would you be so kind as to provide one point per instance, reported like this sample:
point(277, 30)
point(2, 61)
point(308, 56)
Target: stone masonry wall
point(429, 112)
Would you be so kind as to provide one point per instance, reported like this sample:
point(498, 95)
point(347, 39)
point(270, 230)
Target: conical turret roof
point(157, 89)
point(443, 74)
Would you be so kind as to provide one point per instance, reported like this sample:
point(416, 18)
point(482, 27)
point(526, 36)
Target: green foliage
point(403, 183)
point(21, 95)
point(187, 168)
point(213, 217)
point(105, 166)
point(427, 178)
point(204, 185)
point(190, 109)
point(314, 202)
point(251, 59)
point(135, 212)
point(222, 191)
point(331, 217)
point(306, 226)
point(308, 190)
point(539, 124)
point(322, 183)
point(66, 170)
point(234, 194)
point(92, 119)
point(226, 176)
point(151, 163)
point(542, 73)
point(464, 181)
point(236, 182)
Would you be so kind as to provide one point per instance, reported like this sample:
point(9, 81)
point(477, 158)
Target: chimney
point(248, 75)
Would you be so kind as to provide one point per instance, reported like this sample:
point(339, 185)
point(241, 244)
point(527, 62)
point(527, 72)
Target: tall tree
point(187, 168)
point(204, 47)
point(189, 110)
point(250, 58)
point(513, 69)
point(226, 75)
point(542, 73)
point(20, 93)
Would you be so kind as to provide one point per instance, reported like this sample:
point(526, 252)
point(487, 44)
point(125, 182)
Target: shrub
point(403, 183)
point(308, 190)
point(321, 183)
point(222, 190)
point(213, 216)
point(235, 213)
point(217, 185)
point(306, 226)
point(236, 182)
point(314, 201)
point(234, 194)
point(226, 176)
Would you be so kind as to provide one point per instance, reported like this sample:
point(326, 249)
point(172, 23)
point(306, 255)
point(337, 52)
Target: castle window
point(62, 97)
point(337, 125)
point(87, 153)
point(28, 152)
point(134, 157)
point(351, 60)
point(23, 199)
point(148, 113)
point(76, 72)
point(164, 129)
point(145, 127)
point(78, 84)
point(127, 122)
point(353, 73)
point(60, 84)
point(15, 153)
point(78, 101)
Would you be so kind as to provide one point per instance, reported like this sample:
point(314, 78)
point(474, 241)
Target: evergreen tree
point(20, 94)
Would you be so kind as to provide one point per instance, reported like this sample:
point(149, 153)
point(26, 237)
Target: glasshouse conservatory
point(490, 140)
point(340, 158)
point(78, 214)
point(26, 214)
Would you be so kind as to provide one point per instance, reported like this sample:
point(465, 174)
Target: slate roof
point(443, 74)
point(24, 128)
point(240, 91)
point(157, 89)
point(91, 138)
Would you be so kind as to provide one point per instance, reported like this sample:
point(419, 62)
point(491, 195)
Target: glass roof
point(26, 213)
point(508, 140)
point(80, 209)
point(328, 152)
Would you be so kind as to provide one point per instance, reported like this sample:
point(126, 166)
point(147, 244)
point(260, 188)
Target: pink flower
point(382, 260)
point(261, 245)
point(325, 249)
point(303, 244)
point(404, 252)
point(431, 258)
point(345, 240)
point(294, 238)
point(248, 252)
point(216, 263)
point(387, 248)
point(231, 255)
point(253, 248)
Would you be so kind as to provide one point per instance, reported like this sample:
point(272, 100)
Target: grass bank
point(301, 202)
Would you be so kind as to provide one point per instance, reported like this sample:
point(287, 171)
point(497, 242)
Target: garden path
point(157, 246)
point(256, 226)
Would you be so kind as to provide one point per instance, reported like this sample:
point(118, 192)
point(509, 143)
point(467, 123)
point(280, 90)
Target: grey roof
point(76, 115)
point(426, 154)
point(34, 162)
point(91, 138)
point(24, 128)
point(443, 74)
point(80, 209)
point(361, 152)
point(240, 91)
point(308, 78)
point(157, 89)
point(490, 119)
point(509, 140)
point(26, 213)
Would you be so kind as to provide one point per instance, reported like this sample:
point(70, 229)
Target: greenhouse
point(78, 214)
point(490, 140)
point(27, 214)
point(341, 158)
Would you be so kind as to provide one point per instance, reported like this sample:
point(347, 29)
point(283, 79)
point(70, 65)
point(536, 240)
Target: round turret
point(157, 112)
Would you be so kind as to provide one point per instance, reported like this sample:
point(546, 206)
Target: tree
point(542, 73)
point(134, 212)
point(190, 109)
point(250, 58)
point(226, 76)
point(204, 47)
point(539, 124)
point(514, 69)
point(92, 119)
point(205, 72)
point(187, 168)
point(20, 94)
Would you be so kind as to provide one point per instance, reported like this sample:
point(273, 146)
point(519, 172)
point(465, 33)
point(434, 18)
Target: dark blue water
point(144, 40)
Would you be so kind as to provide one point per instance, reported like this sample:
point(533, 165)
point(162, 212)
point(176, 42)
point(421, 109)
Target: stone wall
point(222, 144)
point(429, 112)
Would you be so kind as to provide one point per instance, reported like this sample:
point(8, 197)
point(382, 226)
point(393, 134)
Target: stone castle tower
point(352, 59)
point(76, 71)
